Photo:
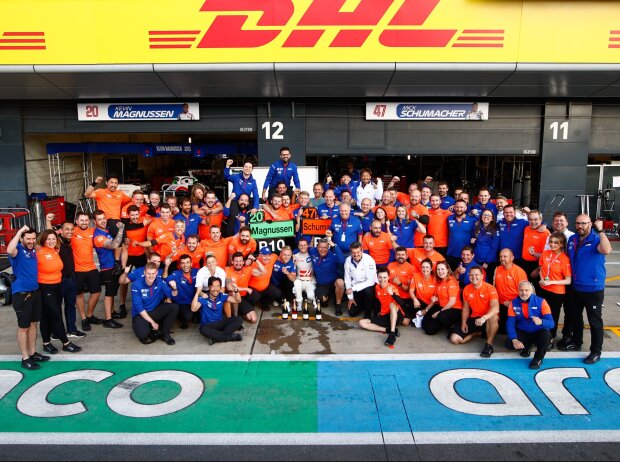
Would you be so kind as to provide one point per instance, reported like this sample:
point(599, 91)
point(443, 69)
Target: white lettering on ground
point(121, 402)
point(516, 403)
point(612, 379)
point(551, 382)
point(8, 381)
point(34, 401)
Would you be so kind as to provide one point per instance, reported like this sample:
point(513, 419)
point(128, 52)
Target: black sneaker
point(118, 269)
point(49, 348)
point(94, 320)
point(39, 358)
point(112, 324)
point(592, 358)
point(122, 311)
point(487, 351)
point(71, 348)
point(391, 339)
point(563, 342)
point(85, 325)
point(570, 346)
point(30, 364)
point(116, 315)
point(396, 332)
point(167, 339)
point(551, 345)
point(183, 324)
point(76, 334)
point(525, 353)
point(338, 309)
point(536, 363)
point(210, 340)
point(235, 337)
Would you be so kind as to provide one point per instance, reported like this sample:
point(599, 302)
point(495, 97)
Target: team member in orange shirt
point(391, 312)
point(238, 278)
point(401, 273)
point(420, 213)
point(262, 291)
point(506, 281)
point(417, 255)
point(49, 267)
point(445, 307)
point(480, 312)
point(533, 243)
point(275, 211)
point(386, 204)
point(244, 243)
point(169, 244)
point(555, 275)
point(86, 274)
point(213, 210)
point(423, 286)
point(137, 199)
point(162, 225)
point(438, 224)
point(111, 201)
point(217, 245)
point(378, 244)
point(195, 251)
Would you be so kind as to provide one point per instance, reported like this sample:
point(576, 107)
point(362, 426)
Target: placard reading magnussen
point(272, 230)
point(138, 111)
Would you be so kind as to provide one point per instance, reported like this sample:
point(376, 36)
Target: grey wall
point(12, 161)
point(564, 161)
point(286, 126)
point(605, 129)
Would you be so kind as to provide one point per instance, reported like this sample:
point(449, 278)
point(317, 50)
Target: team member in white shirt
point(305, 281)
point(360, 277)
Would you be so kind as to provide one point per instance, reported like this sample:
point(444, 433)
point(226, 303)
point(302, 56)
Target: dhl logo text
point(236, 26)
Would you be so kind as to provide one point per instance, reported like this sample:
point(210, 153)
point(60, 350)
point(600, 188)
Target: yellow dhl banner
point(254, 31)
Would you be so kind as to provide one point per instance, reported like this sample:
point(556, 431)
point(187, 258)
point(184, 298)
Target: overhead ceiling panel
point(21, 82)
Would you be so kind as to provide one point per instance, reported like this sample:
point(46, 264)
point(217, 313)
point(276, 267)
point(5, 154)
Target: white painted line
point(307, 357)
point(310, 439)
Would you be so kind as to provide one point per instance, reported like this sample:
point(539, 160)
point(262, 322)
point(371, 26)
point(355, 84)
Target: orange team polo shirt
point(438, 226)
point(404, 273)
point(555, 267)
point(82, 245)
point(532, 237)
point(424, 289)
point(260, 283)
point(447, 288)
point(479, 300)
point(507, 282)
point(217, 218)
point(196, 256)
point(385, 299)
point(156, 229)
point(49, 266)
point(544, 309)
point(419, 209)
point(241, 278)
point(137, 235)
point(111, 202)
point(418, 254)
point(125, 213)
point(281, 214)
point(219, 249)
point(390, 211)
point(235, 245)
point(378, 247)
point(167, 244)
point(403, 198)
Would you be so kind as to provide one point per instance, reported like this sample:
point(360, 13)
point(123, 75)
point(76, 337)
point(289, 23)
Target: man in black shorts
point(26, 297)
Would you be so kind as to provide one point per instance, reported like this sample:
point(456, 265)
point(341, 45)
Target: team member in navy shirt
point(213, 324)
point(148, 308)
point(282, 170)
point(365, 215)
point(460, 228)
point(191, 219)
point(239, 219)
point(185, 280)
point(327, 265)
point(484, 203)
point(26, 297)
point(346, 228)
point(446, 201)
point(511, 230)
point(586, 250)
point(329, 209)
point(244, 182)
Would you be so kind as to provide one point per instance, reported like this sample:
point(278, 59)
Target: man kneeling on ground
point(213, 324)
point(391, 312)
point(149, 309)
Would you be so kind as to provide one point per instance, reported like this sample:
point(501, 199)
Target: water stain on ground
point(296, 336)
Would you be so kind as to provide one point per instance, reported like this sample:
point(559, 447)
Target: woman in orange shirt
point(49, 267)
point(422, 287)
point(446, 303)
point(555, 275)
